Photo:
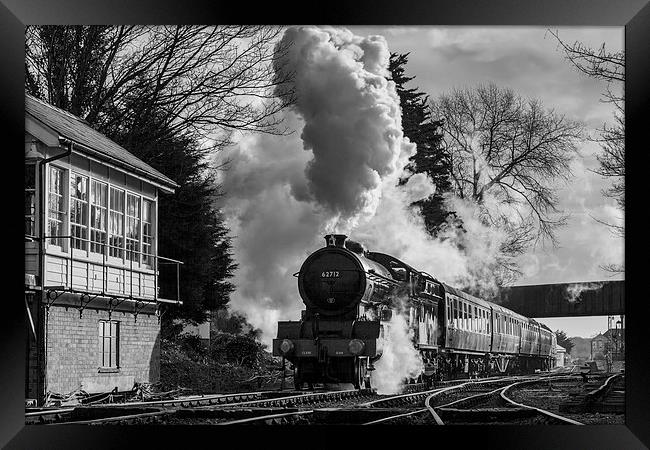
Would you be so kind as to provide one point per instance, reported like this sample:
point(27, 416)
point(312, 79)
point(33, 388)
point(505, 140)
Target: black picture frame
point(633, 14)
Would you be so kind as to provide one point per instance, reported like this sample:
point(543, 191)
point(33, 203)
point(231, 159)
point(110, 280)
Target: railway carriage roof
point(509, 312)
point(466, 296)
point(77, 130)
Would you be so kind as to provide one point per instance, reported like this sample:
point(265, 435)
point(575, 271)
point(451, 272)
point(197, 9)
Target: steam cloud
point(573, 291)
point(283, 193)
point(399, 358)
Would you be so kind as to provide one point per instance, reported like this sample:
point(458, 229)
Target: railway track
point(455, 403)
point(497, 406)
point(153, 412)
point(47, 416)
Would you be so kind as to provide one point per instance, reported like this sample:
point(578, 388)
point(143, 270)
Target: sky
point(268, 172)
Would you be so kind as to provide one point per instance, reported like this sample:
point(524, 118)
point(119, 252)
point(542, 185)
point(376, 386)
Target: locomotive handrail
point(375, 274)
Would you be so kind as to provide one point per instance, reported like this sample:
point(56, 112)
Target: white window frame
point(133, 254)
point(79, 243)
point(149, 258)
point(114, 252)
point(59, 244)
point(97, 247)
point(30, 192)
point(113, 339)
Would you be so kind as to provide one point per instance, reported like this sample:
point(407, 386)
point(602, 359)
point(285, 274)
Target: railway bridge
point(595, 298)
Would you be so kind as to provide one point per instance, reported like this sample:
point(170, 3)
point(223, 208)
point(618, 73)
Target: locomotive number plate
point(330, 274)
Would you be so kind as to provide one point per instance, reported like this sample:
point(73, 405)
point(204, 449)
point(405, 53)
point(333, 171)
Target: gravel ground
point(550, 397)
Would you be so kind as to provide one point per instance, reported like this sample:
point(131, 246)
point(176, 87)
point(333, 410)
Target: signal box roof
point(91, 141)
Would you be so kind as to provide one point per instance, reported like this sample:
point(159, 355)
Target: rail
point(602, 389)
point(147, 263)
point(543, 412)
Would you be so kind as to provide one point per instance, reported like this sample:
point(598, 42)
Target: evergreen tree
point(425, 133)
point(564, 341)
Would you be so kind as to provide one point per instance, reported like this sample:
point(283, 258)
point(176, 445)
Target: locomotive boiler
point(336, 339)
point(350, 296)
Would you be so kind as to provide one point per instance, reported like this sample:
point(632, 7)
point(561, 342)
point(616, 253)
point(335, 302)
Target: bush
point(240, 350)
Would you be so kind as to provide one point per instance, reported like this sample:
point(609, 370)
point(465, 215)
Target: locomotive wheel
point(297, 379)
point(359, 373)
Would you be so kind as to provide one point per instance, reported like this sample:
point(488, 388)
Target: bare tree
point(608, 66)
point(206, 80)
point(507, 155)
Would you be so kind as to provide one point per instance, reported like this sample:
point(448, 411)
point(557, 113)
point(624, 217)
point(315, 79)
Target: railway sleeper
point(450, 415)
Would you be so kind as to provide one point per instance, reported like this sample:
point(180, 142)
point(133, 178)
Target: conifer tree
point(425, 133)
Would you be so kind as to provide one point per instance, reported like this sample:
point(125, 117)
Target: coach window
point(56, 206)
point(465, 316)
point(454, 312)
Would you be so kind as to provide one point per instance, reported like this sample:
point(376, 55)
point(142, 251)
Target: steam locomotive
point(350, 295)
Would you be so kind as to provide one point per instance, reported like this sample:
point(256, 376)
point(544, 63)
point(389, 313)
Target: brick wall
point(73, 350)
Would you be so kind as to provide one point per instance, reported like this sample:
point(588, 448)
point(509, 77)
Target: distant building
point(598, 346)
point(616, 343)
point(560, 356)
point(609, 345)
point(92, 288)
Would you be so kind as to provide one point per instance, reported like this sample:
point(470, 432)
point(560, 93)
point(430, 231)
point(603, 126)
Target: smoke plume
point(340, 174)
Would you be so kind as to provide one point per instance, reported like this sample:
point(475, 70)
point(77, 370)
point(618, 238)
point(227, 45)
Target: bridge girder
point(595, 298)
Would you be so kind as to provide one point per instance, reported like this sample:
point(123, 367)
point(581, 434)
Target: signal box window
point(98, 208)
point(79, 211)
point(109, 344)
point(56, 206)
point(133, 227)
point(147, 232)
point(116, 223)
point(30, 196)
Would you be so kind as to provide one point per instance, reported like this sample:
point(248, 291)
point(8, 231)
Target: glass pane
point(146, 210)
point(78, 187)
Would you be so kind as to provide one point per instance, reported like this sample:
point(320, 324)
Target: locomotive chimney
point(335, 240)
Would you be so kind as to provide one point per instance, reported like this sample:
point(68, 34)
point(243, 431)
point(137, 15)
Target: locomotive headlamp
point(286, 346)
point(356, 346)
